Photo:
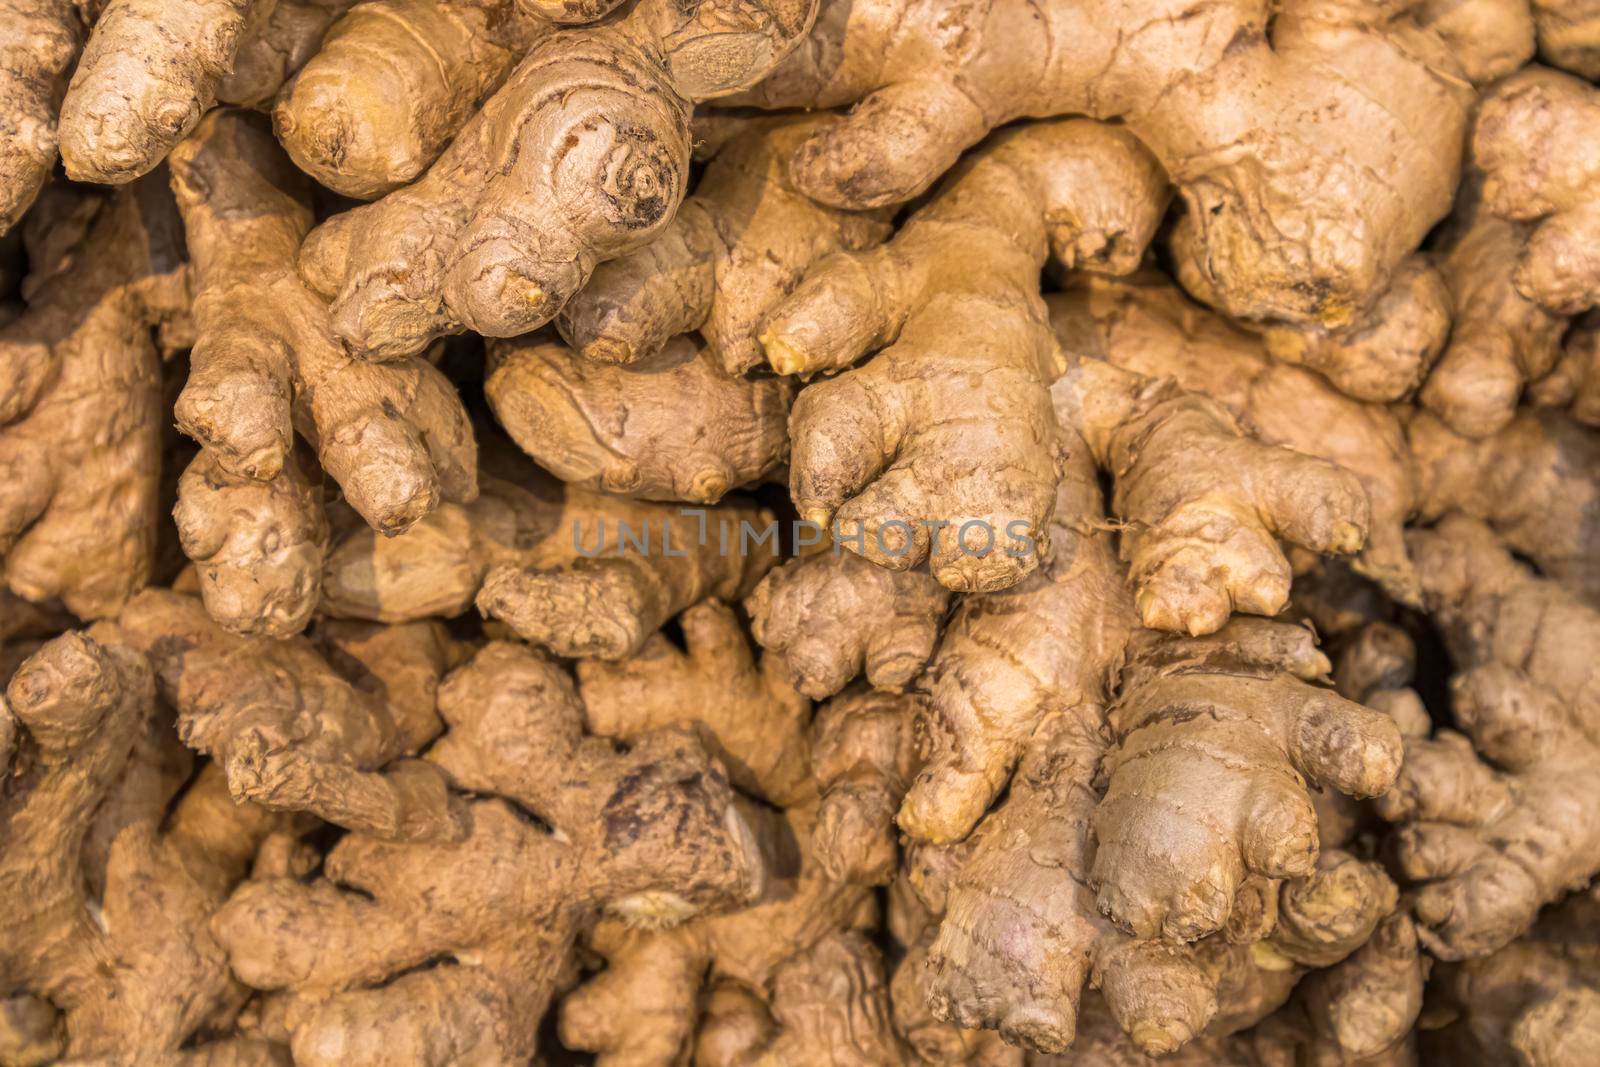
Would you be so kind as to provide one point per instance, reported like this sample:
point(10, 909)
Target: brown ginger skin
point(1535, 140)
point(950, 423)
point(1500, 340)
point(1574, 384)
point(109, 878)
point(650, 833)
point(1384, 355)
point(735, 248)
point(1203, 83)
point(1218, 742)
point(1146, 325)
point(863, 757)
point(394, 438)
point(1062, 632)
point(671, 426)
point(275, 47)
point(746, 713)
point(1569, 35)
point(545, 181)
point(832, 616)
point(1494, 817)
point(392, 82)
point(1536, 483)
point(80, 402)
point(41, 38)
point(290, 732)
point(148, 72)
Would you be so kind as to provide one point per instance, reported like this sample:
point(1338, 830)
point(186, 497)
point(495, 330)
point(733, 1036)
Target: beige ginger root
point(546, 181)
point(562, 826)
point(1574, 384)
point(275, 47)
point(109, 879)
point(80, 402)
point(1569, 35)
point(1146, 325)
point(735, 248)
point(1536, 483)
point(394, 437)
point(831, 616)
point(1218, 743)
point(39, 39)
point(1495, 817)
point(290, 731)
point(671, 426)
point(1254, 120)
point(1535, 140)
point(746, 714)
point(1500, 340)
point(949, 425)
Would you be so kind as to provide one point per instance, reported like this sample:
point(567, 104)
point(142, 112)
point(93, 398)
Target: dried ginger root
point(1495, 821)
point(394, 437)
point(1535, 139)
point(109, 877)
point(950, 423)
point(1254, 124)
point(80, 400)
point(1569, 35)
point(293, 733)
point(544, 183)
point(562, 826)
point(736, 247)
point(671, 426)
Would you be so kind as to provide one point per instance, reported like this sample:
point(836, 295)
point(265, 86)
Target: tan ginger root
point(39, 39)
point(1500, 340)
point(1009, 659)
point(1536, 482)
point(1021, 934)
point(1146, 325)
point(1574, 384)
point(1533, 1003)
point(1385, 354)
point(746, 714)
point(80, 404)
point(735, 248)
point(672, 426)
point(561, 827)
point(642, 1010)
point(831, 616)
point(949, 425)
point(393, 81)
point(275, 47)
point(115, 940)
point(582, 155)
point(1253, 129)
point(1497, 817)
point(1535, 140)
point(290, 731)
point(1202, 506)
point(1569, 35)
point(1218, 742)
point(394, 437)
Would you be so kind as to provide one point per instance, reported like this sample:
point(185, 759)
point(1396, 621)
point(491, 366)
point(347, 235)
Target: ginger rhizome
point(80, 399)
point(560, 827)
point(1254, 121)
point(950, 425)
point(545, 181)
point(265, 366)
point(672, 426)
point(736, 247)
point(1494, 824)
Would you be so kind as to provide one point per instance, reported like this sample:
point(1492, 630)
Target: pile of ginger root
point(857, 533)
